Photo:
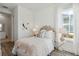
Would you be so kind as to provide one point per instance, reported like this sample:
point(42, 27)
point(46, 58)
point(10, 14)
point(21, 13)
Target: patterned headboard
point(47, 28)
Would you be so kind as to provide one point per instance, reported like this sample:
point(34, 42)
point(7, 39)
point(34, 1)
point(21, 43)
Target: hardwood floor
point(6, 47)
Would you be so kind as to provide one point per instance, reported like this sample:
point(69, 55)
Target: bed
point(35, 46)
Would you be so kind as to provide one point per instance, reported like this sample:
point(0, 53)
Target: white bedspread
point(33, 47)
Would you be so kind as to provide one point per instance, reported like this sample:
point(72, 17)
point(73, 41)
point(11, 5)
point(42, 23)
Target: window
point(68, 21)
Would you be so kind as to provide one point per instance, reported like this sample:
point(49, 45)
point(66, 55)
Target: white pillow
point(46, 34)
point(42, 33)
point(49, 34)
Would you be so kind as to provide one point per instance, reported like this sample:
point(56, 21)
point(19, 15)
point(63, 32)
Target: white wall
point(24, 17)
point(45, 16)
point(15, 23)
point(76, 14)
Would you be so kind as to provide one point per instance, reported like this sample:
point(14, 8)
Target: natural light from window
point(68, 23)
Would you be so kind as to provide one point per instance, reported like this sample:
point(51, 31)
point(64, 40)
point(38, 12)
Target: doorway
point(5, 26)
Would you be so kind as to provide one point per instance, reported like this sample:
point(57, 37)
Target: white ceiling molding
point(4, 10)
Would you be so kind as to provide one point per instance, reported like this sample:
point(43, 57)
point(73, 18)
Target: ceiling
point(36, 6)
point(31, 6)
point(9, 5)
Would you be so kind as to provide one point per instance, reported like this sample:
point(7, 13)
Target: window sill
point(69, 40)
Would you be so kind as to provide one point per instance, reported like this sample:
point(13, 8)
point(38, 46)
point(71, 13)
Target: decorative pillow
point(42, 33)
point(49, 34)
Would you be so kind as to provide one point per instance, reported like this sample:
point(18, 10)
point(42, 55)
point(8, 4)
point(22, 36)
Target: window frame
point(69, 24)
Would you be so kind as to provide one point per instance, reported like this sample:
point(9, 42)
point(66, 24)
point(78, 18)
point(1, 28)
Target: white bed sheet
point(33, 46)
